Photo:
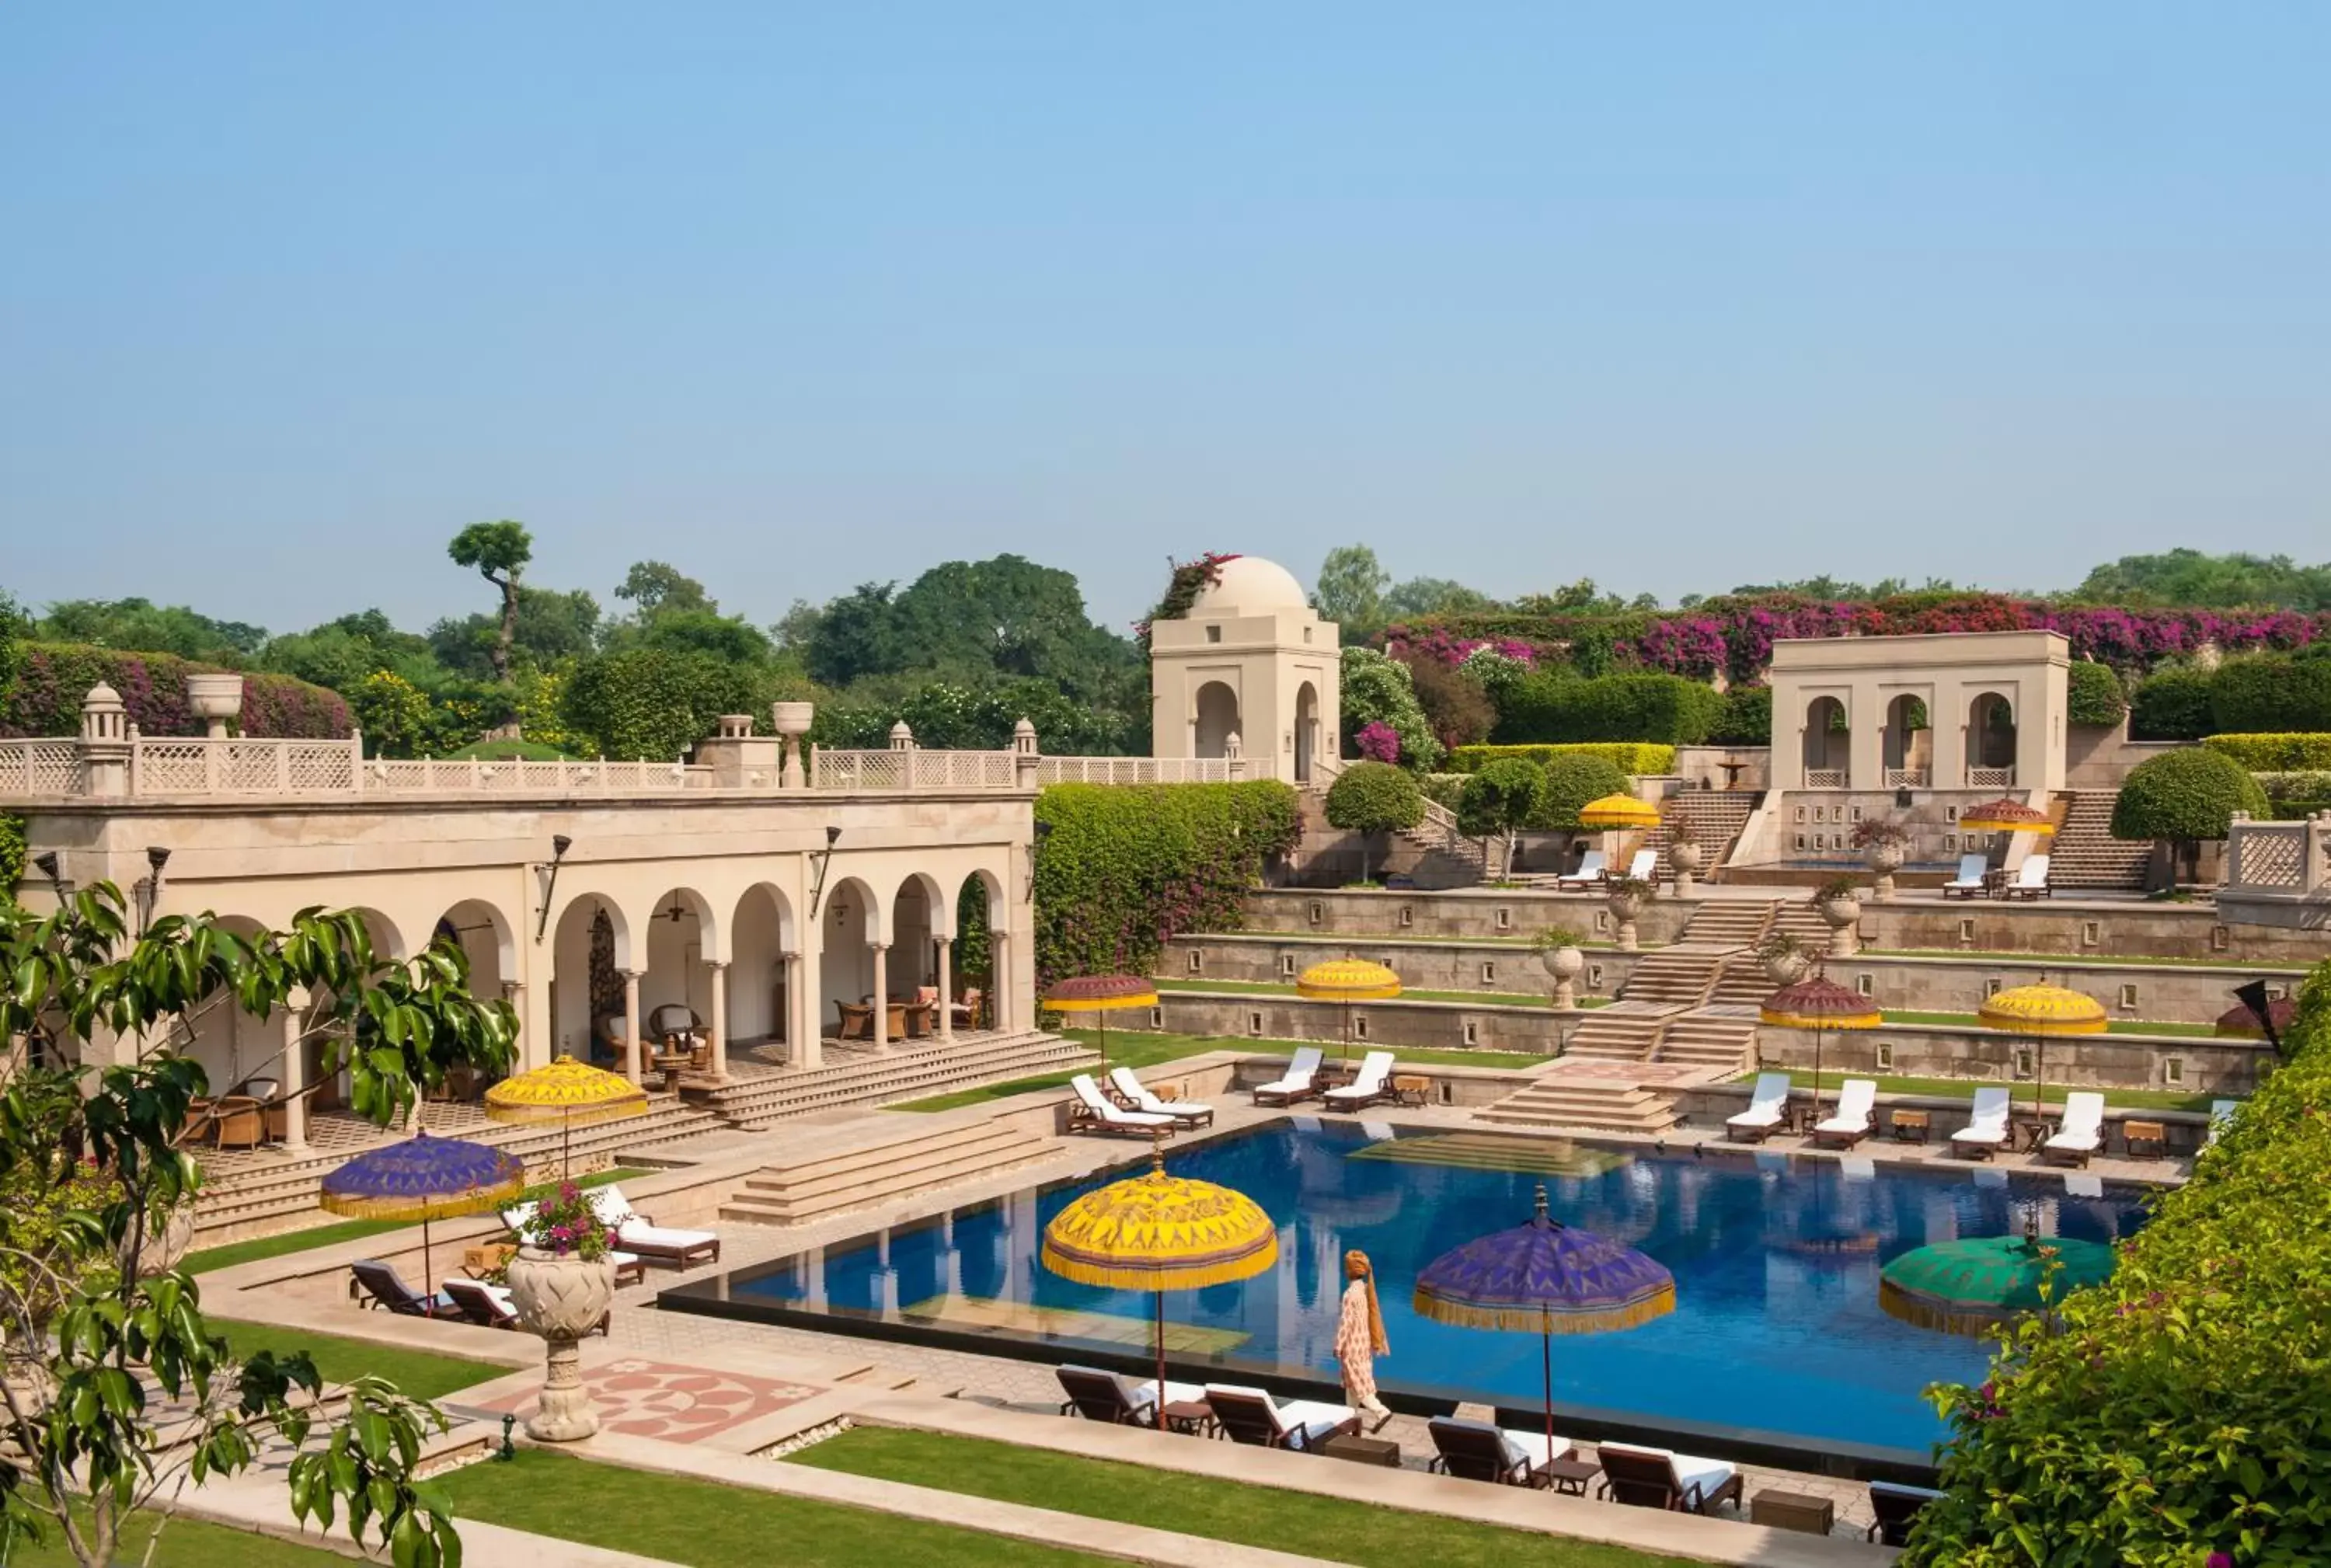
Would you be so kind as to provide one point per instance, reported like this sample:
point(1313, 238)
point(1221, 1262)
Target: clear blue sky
point(795, 298)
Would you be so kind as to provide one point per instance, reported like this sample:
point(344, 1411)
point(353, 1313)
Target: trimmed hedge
point(1666, 710)
point(1501, 798)
point(1629, 756)
point(1745, 718)
point(2183, 1408)
point(1571, 781)
point(2270, 692)
point(1374, 797)
point(1127, 868)
point(2192, 792)
point(2292, 751)
point(2170, 704)
point(2095, 695)
point(56, 676)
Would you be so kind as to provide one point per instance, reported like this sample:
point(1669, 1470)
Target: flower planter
point(561, 1299)
point(216, 699)
point(1684, 858)
point(1844, 916)
point(1787, 968)
point(1884, 859)
point(1564, 964)
point(1623, 907)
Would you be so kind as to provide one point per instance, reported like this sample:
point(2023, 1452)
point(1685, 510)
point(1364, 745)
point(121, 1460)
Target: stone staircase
point(1729, 922)
point(2085, 855)
point(1558, 1103)
point(890, 1076)
point(1616, 1035)
point(1743, 984)
point(1718, 817)
point(811, 1184)
point(1675, 977)
point(257, 1199)
point(1709, 1040)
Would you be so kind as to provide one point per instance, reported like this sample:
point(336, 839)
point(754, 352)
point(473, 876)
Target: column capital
point(879, 947)
point(716, 963)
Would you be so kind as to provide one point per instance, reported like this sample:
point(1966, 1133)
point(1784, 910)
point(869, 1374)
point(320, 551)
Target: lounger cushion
point(1315, 1420)
point(1980, 1133)
point(1521, 1448)
point(1844, 1124)
point(1142, 1392)
point(657, 1238)
point(1755, 1116)
point(2074, 1140)
point(1690, 1472)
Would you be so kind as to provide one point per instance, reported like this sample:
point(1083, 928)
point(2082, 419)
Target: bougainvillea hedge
point(1735, 636)
point(1630, 757)
point(2180, 1415)
point(47, 697)
point(1127, 868)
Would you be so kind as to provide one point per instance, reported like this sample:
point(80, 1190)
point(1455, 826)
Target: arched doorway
point(1908, 748)
point(591, 947)
point(911, 973)
point(975, 950)
point(676, 992)
point(1217, 720)
point(1828, 745)
point(1991, 742)
point(761, 974)
point(1307, 730)
point(849, 921)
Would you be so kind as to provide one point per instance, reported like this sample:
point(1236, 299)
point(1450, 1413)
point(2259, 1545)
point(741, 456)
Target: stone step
point(889, 1079)
point(1620, 1107)
point(917, 1162)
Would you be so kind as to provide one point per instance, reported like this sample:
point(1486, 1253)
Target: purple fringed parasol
point(1546, 1275)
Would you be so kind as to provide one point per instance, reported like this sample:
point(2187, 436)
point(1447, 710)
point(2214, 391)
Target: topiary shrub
point(2174, 1415)
point(1568, 783)
point(2270, 691)
point(2190, 793)
point(1126, 868)
point(1669, 709)
point(1745, 718)
point(1370, 798)
point(2095, 695)
point(651, 704)
point(56, 676)
point(2298, 751)
point(2171, 704)
point(1629, 756)
point(1500, 800)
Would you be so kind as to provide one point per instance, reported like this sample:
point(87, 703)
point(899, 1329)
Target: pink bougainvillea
point(1377, 742)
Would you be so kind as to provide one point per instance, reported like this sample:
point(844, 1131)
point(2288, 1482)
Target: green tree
point(1380, 691)
point(1350, 591)
point(15, 629)
point(2183, 797)
point(1500, 799)
point(2190, 577)
point(144, 627)
point(1455, 705)
point(552, 625)
point(1370, 798)
point(92, 1334)
point(2172, 703)
point(1569, 780)
point(657, 586)
point(652, 704)
point(2264, 692)
point(499, 552)
point(2095, 694)
point(1433, 596)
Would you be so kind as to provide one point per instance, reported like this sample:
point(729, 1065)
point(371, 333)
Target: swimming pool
point(1776, 1327)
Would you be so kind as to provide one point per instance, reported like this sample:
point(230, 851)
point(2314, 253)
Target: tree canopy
point(2190, 577)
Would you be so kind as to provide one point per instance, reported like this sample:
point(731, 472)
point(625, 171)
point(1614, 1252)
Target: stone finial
point(104, 716)
point(215, 696)
point(1023, 738)
point(901, 737)
point(734, 726)
point(1232, 746)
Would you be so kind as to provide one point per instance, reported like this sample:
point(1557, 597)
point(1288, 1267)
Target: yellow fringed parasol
point(1618, 812)
point(1347, 980)
point(2039, 1010)
point(1159, 1232)
point(1099, 994)
point(565, 1091)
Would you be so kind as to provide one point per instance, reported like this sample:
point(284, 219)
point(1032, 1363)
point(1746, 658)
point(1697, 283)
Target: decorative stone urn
point(1623, 907)
point(1685, 858)
point(166, 1242)
point(1787, 967)
point(1884, 858)
point(1844, 916)
point(791, 720)
point(562, 1299)
point(216, 699)
point(1565, 963)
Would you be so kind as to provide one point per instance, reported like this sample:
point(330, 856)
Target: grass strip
point(2098, 960)
point(186, 1544)
point(1280, 988)
point(705, 1523)
point(421, 1373)
point(1217, 1510)
point(288, 1241)
point(2115, 1026)
point(2151, 1099)
point(1140, 1048)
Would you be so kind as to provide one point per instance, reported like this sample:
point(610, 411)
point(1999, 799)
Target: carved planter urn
point(1685, 858)
point(562, 1299)
point(1844, 917)
point(1564, 964)
point(1623, 907)
point(1884, 858)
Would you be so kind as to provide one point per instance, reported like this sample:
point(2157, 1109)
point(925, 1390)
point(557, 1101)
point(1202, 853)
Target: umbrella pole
point(1546, 1358)
point(428, 1279)
point(1104, 1039)
point(2038, 1071)
point(1160, 1401)
point(565, 1145)
point(1817, 1045)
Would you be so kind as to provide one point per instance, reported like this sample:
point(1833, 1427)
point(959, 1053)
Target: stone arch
point(485, 937)
point(1907, 740)
point(1307, 730)
point(761, 931)
point(387, 941)
point(682, 941)
point(1990, 731)
point(591, 947)
point(1215, 720)
point(849, 919)
point(1827, 742)
point(225, 1040)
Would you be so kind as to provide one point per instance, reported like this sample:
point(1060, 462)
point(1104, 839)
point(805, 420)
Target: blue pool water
point(1776, 1326)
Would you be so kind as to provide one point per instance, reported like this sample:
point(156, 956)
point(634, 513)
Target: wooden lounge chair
point(2029, 881)
point(966, 1009)
point(1371, 1085)
point(637, 1233)
point(1478, 1451)
point(1249, 1415)
point(241, 1122)
point(1895, 1506)
point(1299, 1082)
point(1663, 1479)
point(2082, 1133)
point(1114, 1400)
point(1768, 1103)
point(1855, 1119)
point(1970, 883)
point(1092, 1111)
point(1985, 1132)
point(384, 1287)
point(1136, 1096)
point(488, 1305)
point(1592, 871)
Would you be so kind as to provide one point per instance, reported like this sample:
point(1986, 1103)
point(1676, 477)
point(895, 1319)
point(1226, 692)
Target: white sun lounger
point(636, 1233)
point(1190, 1113)
point(1095, 1112)
point(1694, 1486)
point(1985, 1132)
point(1251, 1415)
point(1112, 1397)
point(2031, 880)
point(1645, 866)
point(1368, 1088)
point(2083, 1132)
point(1520, 1455)
point(1968, 883)
point(1856, 1105)
point(1766, 1104)
point(1591, 869)
point(1296, 1083)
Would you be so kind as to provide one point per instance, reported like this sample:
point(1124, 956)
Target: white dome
point(1252, 585)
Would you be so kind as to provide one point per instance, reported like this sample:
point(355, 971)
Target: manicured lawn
point(1248, 1516)
point(188, 1543)
point(1140, 1048)
point(2117, 1026)
point(2098, 958)
point(705, 1523)
point(2150, 1099)
point(423, 1373)
point(235, 1252)
point(1279, 988)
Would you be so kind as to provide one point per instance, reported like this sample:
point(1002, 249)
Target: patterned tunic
point(1354, 1350)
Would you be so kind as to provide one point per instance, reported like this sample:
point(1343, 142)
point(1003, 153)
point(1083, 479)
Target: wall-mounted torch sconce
point(1035, 848)
point(549, 876)
point(823, 855)
point(149, 887)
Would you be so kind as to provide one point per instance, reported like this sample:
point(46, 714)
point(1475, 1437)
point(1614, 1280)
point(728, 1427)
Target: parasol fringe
point(1921, 1312)
point(443, 1206)
point(574, 1115)
point(1171, 1276)
point(1532, 1320)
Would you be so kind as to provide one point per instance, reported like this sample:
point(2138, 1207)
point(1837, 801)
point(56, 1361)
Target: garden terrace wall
point(1264, 956)
point(2068, 927)
point(1402, 1025)
point(1458, 912)
point(2104, 1061)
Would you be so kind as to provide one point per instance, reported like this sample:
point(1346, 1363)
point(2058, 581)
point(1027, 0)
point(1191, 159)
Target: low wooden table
point(1792, 1511)
point(1363, 1450)
point(1571, 1476)
point(2154, 1134)
point(1192, 1417)
point(477, 1262)
point(1908, 1125)
point(672, 1064)
point(1411, 1088)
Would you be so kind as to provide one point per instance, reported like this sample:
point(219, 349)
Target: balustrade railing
point(1906, 778)
point(1991, 778)
point(1825, 778)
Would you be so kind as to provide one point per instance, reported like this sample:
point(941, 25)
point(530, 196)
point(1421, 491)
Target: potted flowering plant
point(1624, 897)
point(1839, 900)
point(1885, 843)
point(1685, 856)
point(1785, 956)
point(561, 1283)
point(1557, 952)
